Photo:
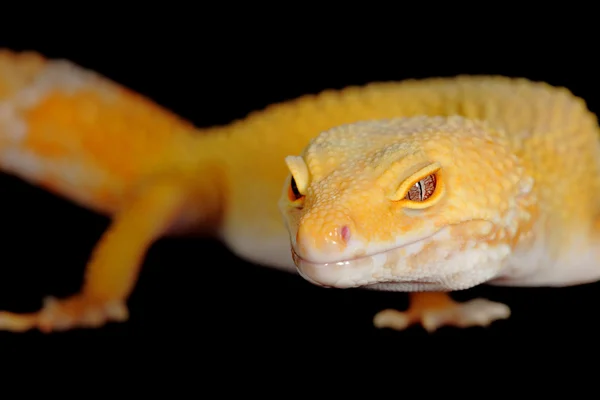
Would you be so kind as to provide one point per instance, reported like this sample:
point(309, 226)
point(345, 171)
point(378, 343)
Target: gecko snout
point(320, 237)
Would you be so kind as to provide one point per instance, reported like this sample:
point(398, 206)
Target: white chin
point(381, 271)
point(397, 270)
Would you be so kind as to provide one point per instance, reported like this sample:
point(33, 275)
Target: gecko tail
point(77, 133)
point(27, 138)
point(17, 72)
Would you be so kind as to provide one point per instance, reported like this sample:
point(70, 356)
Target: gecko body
point(420, 186)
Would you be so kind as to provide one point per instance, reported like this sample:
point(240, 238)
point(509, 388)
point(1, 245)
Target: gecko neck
point(557, 255)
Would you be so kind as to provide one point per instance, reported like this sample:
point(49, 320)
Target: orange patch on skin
point(117, 131)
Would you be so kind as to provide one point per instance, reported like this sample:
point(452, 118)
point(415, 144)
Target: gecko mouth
point(386, 269)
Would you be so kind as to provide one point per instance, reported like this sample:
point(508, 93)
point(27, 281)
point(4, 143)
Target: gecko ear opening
point(422, 189)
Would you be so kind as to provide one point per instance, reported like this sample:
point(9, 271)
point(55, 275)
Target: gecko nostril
point(346, 233)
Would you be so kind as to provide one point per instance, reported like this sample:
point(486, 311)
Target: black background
point(194, 293)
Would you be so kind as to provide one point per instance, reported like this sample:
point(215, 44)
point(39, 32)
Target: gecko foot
point(64, 314)
point(434, 310)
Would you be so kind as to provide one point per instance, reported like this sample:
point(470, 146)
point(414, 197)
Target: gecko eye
point(423, 189)
point(293, 193)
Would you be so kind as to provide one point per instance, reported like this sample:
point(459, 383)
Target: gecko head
point(421, 203)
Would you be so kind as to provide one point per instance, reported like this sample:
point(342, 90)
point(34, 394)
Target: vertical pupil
point(423, 189)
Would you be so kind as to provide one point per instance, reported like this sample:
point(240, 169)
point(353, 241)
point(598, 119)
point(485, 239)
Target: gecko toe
point(65, 314)
point(477, 312)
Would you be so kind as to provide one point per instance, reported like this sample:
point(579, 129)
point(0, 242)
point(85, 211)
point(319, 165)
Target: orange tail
point(77, 133)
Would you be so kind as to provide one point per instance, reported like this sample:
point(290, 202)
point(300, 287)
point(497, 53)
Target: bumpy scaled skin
point(490, 197)
point(356, 226)
point(446, 203)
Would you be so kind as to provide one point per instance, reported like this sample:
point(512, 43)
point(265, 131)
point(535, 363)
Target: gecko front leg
point(436, 309)
point(114, 266)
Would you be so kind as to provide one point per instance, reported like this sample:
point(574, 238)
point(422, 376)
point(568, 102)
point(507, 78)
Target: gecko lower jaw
point(374, 271)
point(311, 271)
